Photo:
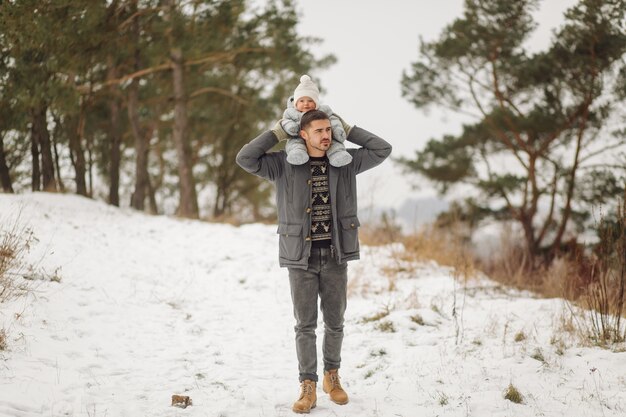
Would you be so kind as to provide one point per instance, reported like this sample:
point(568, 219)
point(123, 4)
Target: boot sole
point(336, 402)
point(305, 411)
point(340, 402)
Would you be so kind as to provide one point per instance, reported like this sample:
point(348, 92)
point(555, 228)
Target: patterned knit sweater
point(321, 219)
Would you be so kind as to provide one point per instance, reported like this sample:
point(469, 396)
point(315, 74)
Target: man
point(318, 228)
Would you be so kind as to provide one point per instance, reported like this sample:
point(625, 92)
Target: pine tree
point(542, 136)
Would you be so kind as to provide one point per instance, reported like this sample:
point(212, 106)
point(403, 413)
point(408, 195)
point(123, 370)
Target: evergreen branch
point(475, 97)
point(224, 56)
point(570, 192)
point(137, 14)
point(611, 166)
point(500, 98)
point(445, 101)
point(568, 125)
point(524, 145)
point(471, 76)
point(221, 91)
point(502, 136)
point(215, 57)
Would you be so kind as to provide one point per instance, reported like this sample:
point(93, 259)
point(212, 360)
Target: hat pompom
point(305, 78)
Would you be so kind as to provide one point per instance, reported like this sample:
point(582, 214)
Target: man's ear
point(303, 134)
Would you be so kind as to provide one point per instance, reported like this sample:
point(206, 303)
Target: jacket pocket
point(349, 234)
point(290, 241)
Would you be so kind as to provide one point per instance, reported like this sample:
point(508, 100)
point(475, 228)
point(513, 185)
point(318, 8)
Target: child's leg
point(337, 154)
point(296, 151)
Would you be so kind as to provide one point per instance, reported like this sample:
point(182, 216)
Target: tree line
point(148, 100)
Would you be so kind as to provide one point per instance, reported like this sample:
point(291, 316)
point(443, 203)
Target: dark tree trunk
point(90, 165)
point(225, 174)
point(141, 149)
point(5, 176)
point(40, 131)
point(223, 195)
point(152, 198)
point(115, 138)
point(188, 199)
point(57, 166)
point(137, 199)
point(34, 151)
point(77, 155)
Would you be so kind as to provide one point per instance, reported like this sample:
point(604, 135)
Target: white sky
point(374, 43)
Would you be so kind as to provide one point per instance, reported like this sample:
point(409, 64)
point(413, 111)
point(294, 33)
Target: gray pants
point(328, 279)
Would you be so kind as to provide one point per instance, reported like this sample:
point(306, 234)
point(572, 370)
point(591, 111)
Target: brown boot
point(308, 398)
point(332, 386)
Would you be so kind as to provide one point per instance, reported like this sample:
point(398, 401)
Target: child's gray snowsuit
point(296, 148)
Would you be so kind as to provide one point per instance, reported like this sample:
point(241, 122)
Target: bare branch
point(601, 151)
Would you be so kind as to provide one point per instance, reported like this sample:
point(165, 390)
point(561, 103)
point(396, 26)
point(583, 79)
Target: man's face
point(317, 136)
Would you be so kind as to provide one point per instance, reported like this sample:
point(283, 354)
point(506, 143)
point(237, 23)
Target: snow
point(150, 306)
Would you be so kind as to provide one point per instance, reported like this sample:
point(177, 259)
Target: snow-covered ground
point(150, 306)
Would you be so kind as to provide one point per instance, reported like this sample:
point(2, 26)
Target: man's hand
point(279, 131)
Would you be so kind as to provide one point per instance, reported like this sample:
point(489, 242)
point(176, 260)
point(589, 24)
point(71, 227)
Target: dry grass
point(444, 246)
point(593, 278)
point(418, 319)
point(377, 316)
point(596, 282)
point(3, 340)
point(520, 336)
point(605, 324)
point(380, 233)
point(512, 267)
point(606, 292)
point(538, 355)
point(15, 243)
point(386, 326)
point(581, 280)
point(512, 394)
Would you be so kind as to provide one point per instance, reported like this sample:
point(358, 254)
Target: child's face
point(305, 104)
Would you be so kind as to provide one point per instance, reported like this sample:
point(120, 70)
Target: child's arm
point(291, 122)
point(291, 119)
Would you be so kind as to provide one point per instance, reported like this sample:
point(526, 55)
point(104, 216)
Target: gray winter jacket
point(293, 194)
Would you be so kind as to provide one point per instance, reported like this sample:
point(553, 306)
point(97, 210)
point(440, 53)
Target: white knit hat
point(307, 88)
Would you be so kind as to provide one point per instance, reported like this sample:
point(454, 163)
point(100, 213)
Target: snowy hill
point(150, 306)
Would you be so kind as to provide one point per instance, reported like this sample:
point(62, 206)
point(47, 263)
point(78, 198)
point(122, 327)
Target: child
point(305, 98)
